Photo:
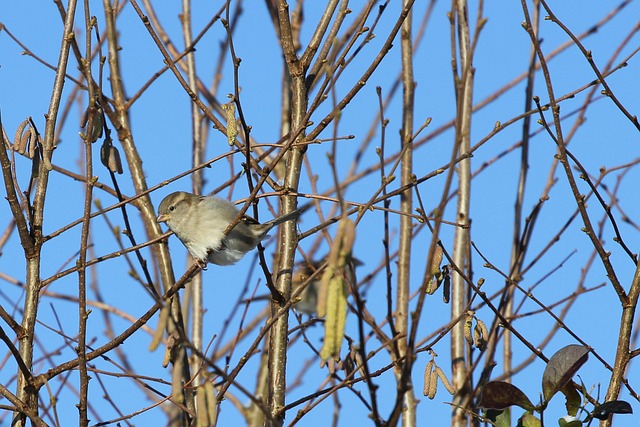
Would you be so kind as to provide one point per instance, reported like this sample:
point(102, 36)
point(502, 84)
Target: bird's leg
point(201, 263)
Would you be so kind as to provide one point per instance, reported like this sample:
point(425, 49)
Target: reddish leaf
point(501, 395)
point(561, 368)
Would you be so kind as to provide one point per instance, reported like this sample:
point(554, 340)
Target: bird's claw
point(202, 264)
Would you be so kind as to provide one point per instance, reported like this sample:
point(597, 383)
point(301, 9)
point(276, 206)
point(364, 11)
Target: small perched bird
point(200, 222)
point(310, 299)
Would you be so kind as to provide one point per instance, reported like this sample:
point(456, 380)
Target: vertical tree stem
point(406, 223)
point(25, 392)
point(121, 120)
point(288, 237)
point(461, 246)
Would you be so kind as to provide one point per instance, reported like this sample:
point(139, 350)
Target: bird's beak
point(163, 218)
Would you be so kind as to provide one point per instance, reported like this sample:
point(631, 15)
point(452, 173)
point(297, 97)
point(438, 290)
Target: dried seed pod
point(446, 290)
point(84, 118)
point(232, 127)
point(114, 163)
point(357, 358)
point(433, 386)
point(31, 153)
point(468, 323)
point(96, 126)
point(476, 337)
point(336, 318)
point(104, 152)
point(436, 260)
point(433, 285)
point(348, 365)
point(435, 275)
point(445, 381)
point(336, 289)
point(18, 137)
point(28, 139)
point(206, 401)
point(428, 380)
point(212, 400)
point(480, 335)
point(110, 157)
point(483, 328)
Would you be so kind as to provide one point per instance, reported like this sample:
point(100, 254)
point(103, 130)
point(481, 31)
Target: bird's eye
point(171, 208)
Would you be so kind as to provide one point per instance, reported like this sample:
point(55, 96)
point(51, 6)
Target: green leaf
point(569, 421)
point(501, 395)
point(499, 418)
point(561, 368)
point(529, 420)
point(572, 398)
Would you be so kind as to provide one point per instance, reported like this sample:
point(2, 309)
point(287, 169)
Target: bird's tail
point(286, 217)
